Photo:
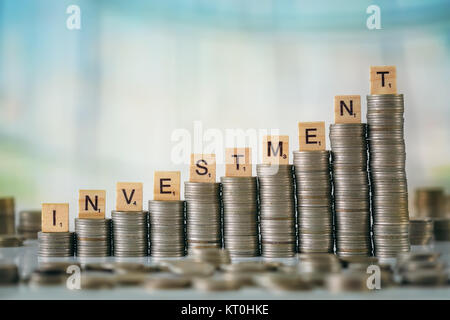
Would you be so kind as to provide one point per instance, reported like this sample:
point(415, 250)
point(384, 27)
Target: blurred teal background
point(86, 108)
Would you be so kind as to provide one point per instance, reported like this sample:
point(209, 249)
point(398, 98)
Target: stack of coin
point(130, 229)
point(11, 240)
point(7, 220)
point(240, 216)
point(277, 212)
point(351, 189)
point(29, 223)
point(420, 231)
point(442, 229)
point(203, 215)
point(430, 202)
point(93, 237)
point(314, 201)
point(56, 244)
point(387, 174)
point(167, 230)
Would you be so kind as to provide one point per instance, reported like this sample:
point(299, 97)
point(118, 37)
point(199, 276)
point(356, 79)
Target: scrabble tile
point(275, 150)
point(166, 185)
point(238, 162)
point(383, 80)
point(55, 217)
point(202, 168)
point(347, 109)
point(129, 196)
point(91, 204)
point(311, 136)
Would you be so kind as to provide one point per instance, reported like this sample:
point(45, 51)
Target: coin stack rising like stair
point(93, 237)
point(203, 215)
point(351, 189)
point(277, 210)
point(314, 201)
point(389, 188)
point(130, 233)
point(167, 228)
point(240, 216)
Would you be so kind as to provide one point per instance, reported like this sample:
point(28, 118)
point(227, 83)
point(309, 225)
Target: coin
point(167, 228)
point(130, 230)
point(216, 284)
point(214, 256)
point(349, 281)
point(167, 282)
point(282, 281)
point(190, 268)
point(96, 282)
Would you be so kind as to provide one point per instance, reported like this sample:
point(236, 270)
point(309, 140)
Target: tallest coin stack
point(387, 174)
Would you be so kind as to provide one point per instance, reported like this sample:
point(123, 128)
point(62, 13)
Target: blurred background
point(87, 108)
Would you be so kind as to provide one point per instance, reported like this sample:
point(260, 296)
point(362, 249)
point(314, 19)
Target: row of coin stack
point(320, 204)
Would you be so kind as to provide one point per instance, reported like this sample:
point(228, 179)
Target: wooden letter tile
point(166, 185)
point(383, 80)
point(129, 196)
point(238, 162)
point(202, 168)
point(55, 217)
point(311, 136)
point(347, 109)
point(91, 204)
point(275, 150)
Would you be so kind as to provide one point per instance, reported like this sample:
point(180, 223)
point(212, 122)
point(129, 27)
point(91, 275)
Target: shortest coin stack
point(167, 236)
point(93, 237)
point(130, 229)
point(29, 223)
point(420, 231)
point(56, 244)
point(442, 229)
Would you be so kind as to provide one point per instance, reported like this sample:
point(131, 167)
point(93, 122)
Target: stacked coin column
point(167, 228)
point(314, 201)
point(29, 223)
point(351, 189)
point(387, 174)
point(7, 218)
point(240, 216)
point(203, 215)
point(130, 230)
point(93, 237)
point(277, 210)
point(56, 244)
